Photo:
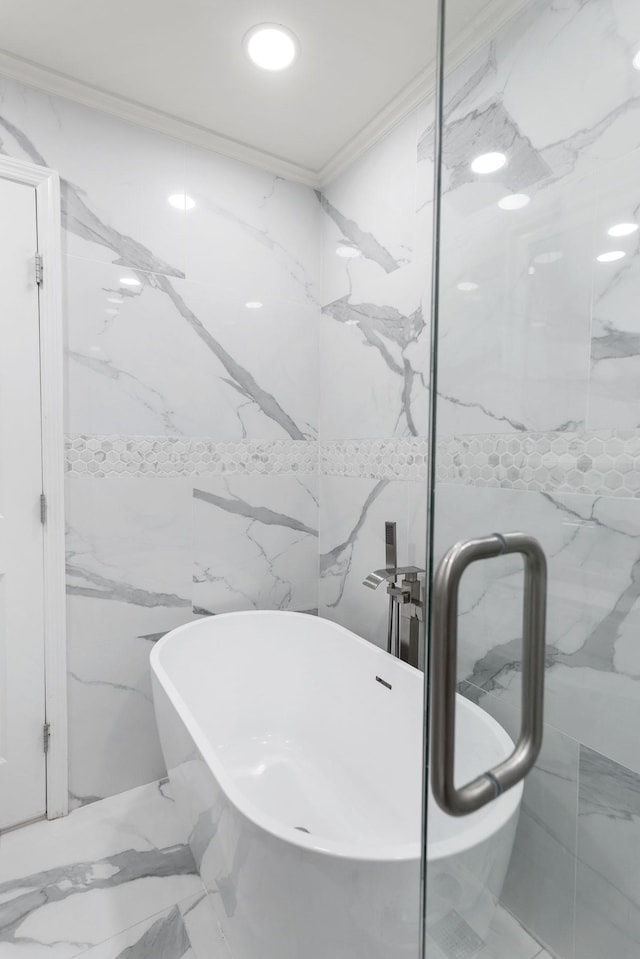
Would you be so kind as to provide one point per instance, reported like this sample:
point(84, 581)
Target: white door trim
point(47, 186)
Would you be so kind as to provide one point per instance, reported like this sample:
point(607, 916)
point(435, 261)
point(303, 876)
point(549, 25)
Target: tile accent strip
point(162, 456)
point(606, 462)
point(404, 458)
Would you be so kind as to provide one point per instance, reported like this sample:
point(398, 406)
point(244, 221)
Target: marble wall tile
point(116, 178)
point(514, 309)
point(608, 869)
point(371, 208)
point(129, 561)
point(255, 543)
point(615, 336)
point(251, 231)
point(593, 549)
point(374, 333)
point(178, 357)
point(527, 274)
point(353, 512)
point(540, 884)
point(163, 356)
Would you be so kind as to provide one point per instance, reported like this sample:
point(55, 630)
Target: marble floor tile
point(72, 884)
point(161, 936)
point(506, 939)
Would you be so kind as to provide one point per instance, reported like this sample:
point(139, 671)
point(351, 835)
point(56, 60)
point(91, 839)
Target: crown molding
point(487, 22)
point(494, 16)
point(60, 85)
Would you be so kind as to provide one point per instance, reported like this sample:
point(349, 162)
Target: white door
point(22, 692)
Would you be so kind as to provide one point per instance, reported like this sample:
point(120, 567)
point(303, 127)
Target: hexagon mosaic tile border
point(405, 458)
point(605, 462)
point(113, 456)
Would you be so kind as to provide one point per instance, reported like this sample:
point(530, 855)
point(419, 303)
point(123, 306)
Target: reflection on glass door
point(538, 431)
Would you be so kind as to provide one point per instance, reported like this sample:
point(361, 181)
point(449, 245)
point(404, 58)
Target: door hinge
point(46, 736)
point(39, 269)
point(43, 508)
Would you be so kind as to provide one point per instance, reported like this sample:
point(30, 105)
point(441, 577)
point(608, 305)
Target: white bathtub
point(299, 775)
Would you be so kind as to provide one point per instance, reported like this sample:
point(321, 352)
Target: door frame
point(47, 189)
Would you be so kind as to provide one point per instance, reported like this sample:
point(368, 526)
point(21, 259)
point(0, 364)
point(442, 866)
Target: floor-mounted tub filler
point(295, 752)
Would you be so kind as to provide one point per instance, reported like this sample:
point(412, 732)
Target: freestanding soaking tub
point(295, 752)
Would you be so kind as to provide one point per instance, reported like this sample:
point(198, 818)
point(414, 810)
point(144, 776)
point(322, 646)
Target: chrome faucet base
point(405, 602)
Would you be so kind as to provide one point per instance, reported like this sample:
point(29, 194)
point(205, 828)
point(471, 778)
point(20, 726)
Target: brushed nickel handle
point(461, 800)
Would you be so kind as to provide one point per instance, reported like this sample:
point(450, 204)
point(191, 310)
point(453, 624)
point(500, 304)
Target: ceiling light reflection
point(254, 305)
point(623, 229)
point(514, 201)
point(181, 201)
point(611, 256)
point(488, 163)
point(129, 281)
point(347, 251)
point(467, 286)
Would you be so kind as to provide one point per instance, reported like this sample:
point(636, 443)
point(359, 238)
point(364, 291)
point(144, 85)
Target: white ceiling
point(183, 59)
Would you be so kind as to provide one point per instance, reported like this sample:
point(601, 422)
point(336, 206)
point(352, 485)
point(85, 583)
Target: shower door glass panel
point(538, 416)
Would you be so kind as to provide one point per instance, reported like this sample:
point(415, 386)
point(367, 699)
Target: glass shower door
point(536, 431)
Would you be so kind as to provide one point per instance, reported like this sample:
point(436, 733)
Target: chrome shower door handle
point(458, 801)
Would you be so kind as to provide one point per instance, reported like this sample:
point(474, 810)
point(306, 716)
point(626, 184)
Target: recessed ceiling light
point(611, 256)
point(254, 305)
point(181, 201)
point(515, 201)
point(129, 281)
point(347, 251)
point(636, 61)
point(622, 229)
point(488, 162)
point(271, 46)
point(467, 286)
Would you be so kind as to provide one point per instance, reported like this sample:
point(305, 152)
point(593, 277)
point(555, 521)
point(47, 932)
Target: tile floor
point(115, 880)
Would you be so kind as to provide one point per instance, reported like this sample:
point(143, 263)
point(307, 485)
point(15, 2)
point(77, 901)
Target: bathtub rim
point(498, 814)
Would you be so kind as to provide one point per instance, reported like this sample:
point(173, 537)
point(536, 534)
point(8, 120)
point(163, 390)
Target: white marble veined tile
point(72, 883)
point(204, 933)
point(608, 870)
point(116, 178)
point(129, 540)
point(128, 582)
point(593, 662)
point(251, 230)
point(352, 517)
point(514, 342)
point(371, 209)
point(374, 360)
point(539, 888)
point(515, 310)
point(615, 344)
point(496, 99)
point(174, 357)
point(255, 543)
point(162, 936)
point(508, 939)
